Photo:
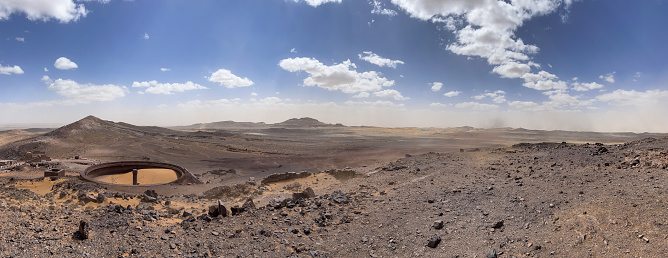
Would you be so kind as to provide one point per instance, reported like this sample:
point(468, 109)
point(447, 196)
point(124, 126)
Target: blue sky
point(542, 64)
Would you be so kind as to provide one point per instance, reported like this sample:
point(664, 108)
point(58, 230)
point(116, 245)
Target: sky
point(587, 65)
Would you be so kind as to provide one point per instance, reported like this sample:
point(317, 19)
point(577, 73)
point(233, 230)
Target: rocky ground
point(538, 200)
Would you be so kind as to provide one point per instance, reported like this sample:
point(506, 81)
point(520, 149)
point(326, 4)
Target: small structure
point(7, 163)
point(36, 156)
point(54, 172)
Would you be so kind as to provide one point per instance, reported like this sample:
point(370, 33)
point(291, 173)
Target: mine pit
point(138, 173)
point(145, 176)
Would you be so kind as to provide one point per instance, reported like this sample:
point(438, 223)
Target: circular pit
point(144, 173)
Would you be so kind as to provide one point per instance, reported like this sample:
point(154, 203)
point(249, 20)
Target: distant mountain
point(93, 129)
point(230, 125)
point(305, 122)
point(76, 137)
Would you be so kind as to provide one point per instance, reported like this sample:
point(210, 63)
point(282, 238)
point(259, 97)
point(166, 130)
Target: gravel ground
point(537, 200)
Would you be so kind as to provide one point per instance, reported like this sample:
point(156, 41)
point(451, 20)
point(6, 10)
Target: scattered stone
point(434, 241)
point(204, 217)
point(437, 224)
point(86, 198)
point(218, 210)
point(150, 196)
point(293, 187)
point(249, 205)
point(339, 197)
point(84, 228)
point(306, 194)
point(187, 213)
point(491, 254)
point(172, 246)
point(100, 198)
point(497, 224)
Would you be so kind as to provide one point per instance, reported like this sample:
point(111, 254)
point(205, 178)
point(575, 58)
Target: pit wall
point(183, 175)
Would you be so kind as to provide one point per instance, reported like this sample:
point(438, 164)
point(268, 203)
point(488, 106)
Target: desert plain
point(303, 188)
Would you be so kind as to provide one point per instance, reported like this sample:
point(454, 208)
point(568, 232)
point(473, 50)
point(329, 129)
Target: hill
point(304, 122)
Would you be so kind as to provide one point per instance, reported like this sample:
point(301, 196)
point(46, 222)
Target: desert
point(303, 188)
point(333, 128)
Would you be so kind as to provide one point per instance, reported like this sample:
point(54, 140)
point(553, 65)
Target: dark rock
point(236, 210)
point(437, 224)
point(491, 254)
point(151, 193)
point(302, 248)
point(147, 198)
point(434, 241)
point(339, 197)
point(86, 198)
point(306, 194)
point(284, 176)
point(84, 228)
point(100, 198)
point(187, 213)
point(204, 217)
point(249, 205)
point(498, 224)
point(218, 210)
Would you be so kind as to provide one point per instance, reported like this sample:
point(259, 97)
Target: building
point(36, 156)
point(7, 163)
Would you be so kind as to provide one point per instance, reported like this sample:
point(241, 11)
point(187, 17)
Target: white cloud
point(316, 3)
point(254, 94)
point(525, 105)
point(637, 76)
point(476, 106)
point(165, 69)
point(451, 94)
point(378, 103)
point(336, 77)
point(62, 10)
point(11, 70)
point(608, 77)
point(379, 61)
point(396, 95)
point(560, 100)
point(498, 96)
point(580, 86)
point(362, 95)
point(229, 80)
point(378, 9)
point(436, 86)
point(439, 105)
point(85, 93)
point(543, 81)
point(153, 87)
point(293, 50)
point(45, 69)
point(20, 39)
point(512, 69)
point(64, 64)
point(488, 28)
point(634, 98)
point(146, 36)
